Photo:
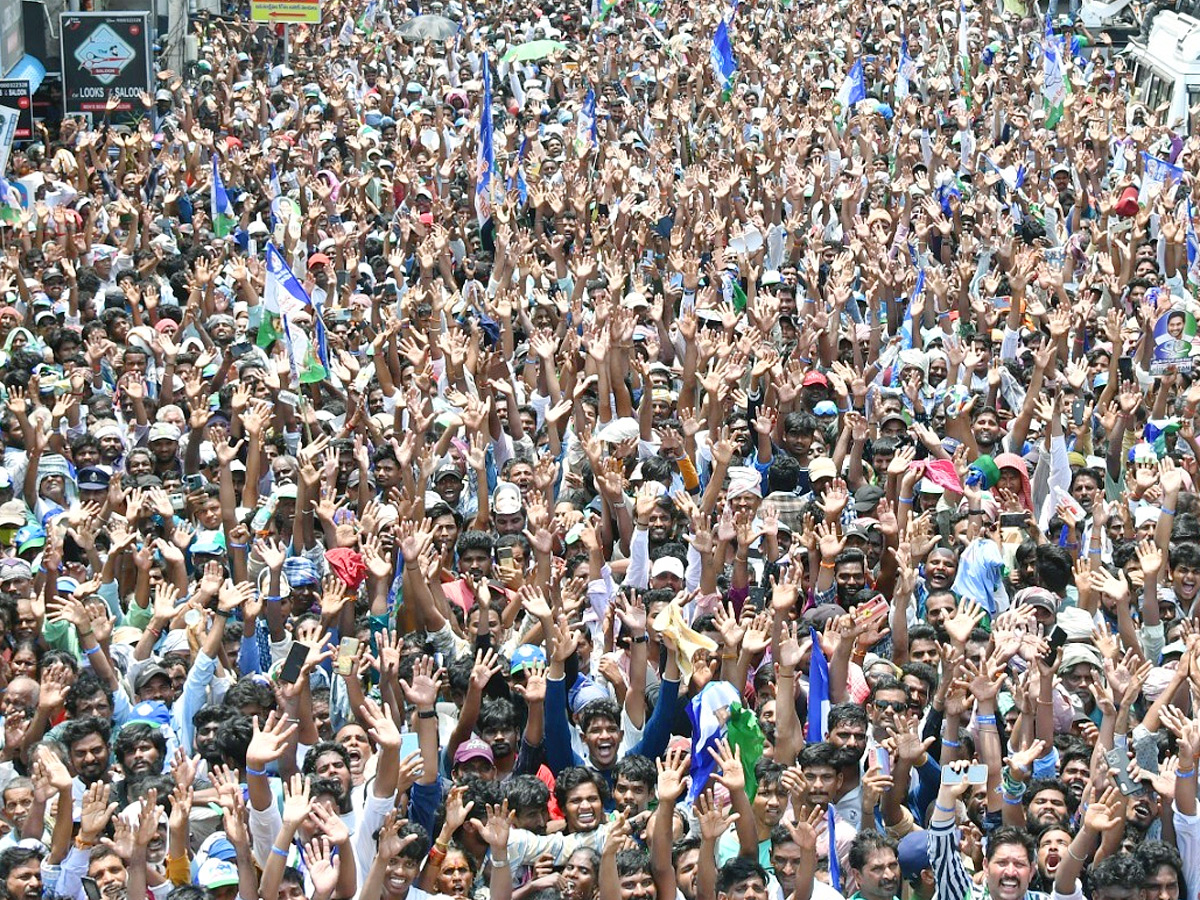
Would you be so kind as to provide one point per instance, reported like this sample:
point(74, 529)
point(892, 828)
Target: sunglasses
point(895, 706)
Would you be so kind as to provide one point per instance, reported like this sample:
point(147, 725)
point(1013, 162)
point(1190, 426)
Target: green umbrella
point(533, 50)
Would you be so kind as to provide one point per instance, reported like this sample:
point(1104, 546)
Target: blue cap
point(211, 543)
point(825, 408)
point(913, 854)
point(150, 712)
point(525, 656)
point(67, 585)
point(29, 536)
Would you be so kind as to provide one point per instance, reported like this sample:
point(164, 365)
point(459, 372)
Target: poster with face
point(1174, 337)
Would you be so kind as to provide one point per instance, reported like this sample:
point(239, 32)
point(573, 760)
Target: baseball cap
point(29, 538)
point(163, 431)
point(1078, 654)
point(506, 499)
point(525, 656)
point(216, 873)
point(210, 543)
point(821, 467)
point(14, 569)
point(913, 854)
point(815, 378)
point(12, 513)
point(474, 749)
point(150, 712)
point(667, 565)
point(866, 498)
point(447, 469)
point(1036, 596)
point(825, 409)
point(151, 671)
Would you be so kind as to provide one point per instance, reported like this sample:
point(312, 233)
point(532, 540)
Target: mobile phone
point(347, 650)
point(409, 744)
point(1125, 368)
point(240, 349)
point(876, 606)
point(290, 399)
point(1012, 520)
point(1119, 761)
point(1146, 754)
point(977, 774)
point(193, 482)
point(883, 761)
point(178, 503)
point(1057, 638)
point(290, 673)
point(504, 556)
point(90, 889)
point(950, 776)
point(1078, 408)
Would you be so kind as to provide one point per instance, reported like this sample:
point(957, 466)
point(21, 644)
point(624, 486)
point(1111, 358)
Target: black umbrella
point(421, 28)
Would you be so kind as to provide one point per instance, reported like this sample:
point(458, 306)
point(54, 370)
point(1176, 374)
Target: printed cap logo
point(105, 54)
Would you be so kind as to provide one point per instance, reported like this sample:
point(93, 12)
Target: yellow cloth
point(178, 871)
point(670, 622)
point(687, 471)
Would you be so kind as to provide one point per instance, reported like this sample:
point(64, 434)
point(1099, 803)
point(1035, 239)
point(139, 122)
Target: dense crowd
point(728, 452)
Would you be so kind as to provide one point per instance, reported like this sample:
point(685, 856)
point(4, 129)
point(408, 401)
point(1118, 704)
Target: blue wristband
point(279, 852)
point(1167, 512)
point(907, 500)
point(954, 745)
point(945, 809)
point(260, 772)
point(273, 599)
point(1179, 773)
point(91, 651)
point(1015, 801)
point(985, 720)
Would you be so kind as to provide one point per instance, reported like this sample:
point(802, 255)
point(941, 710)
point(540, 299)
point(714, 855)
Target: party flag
point(818, 693)
point(721, 57)
point(744, 733)
point(585, 124)
point(853, 88)
point(906, 327)
point(487, 150)
point(706, 711)
point(835, 874)
point(223, 216)
point(1054, 77)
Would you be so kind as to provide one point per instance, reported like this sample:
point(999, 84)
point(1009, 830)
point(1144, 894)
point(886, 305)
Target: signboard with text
point(14, 93)
point(105, 55)
point(286, 11)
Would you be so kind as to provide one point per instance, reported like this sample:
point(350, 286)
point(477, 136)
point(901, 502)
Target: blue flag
point(905, 71)
point(276, 193)
point(906, 327)
point(818, 693)
point(835, 874)
point(721, 56)
point(283, 290)
point(708, 726)
point(223, 217)
point(585, 123)
point(854, 88)
point(487, 150)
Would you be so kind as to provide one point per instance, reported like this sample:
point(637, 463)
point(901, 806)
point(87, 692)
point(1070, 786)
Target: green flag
point(743, 731)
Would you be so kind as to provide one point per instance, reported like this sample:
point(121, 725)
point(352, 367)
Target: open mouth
point(586, 818)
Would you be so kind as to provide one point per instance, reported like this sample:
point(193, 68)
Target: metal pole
point(287, 34)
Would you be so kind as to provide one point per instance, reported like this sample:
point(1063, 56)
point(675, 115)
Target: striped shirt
point(950, 875)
